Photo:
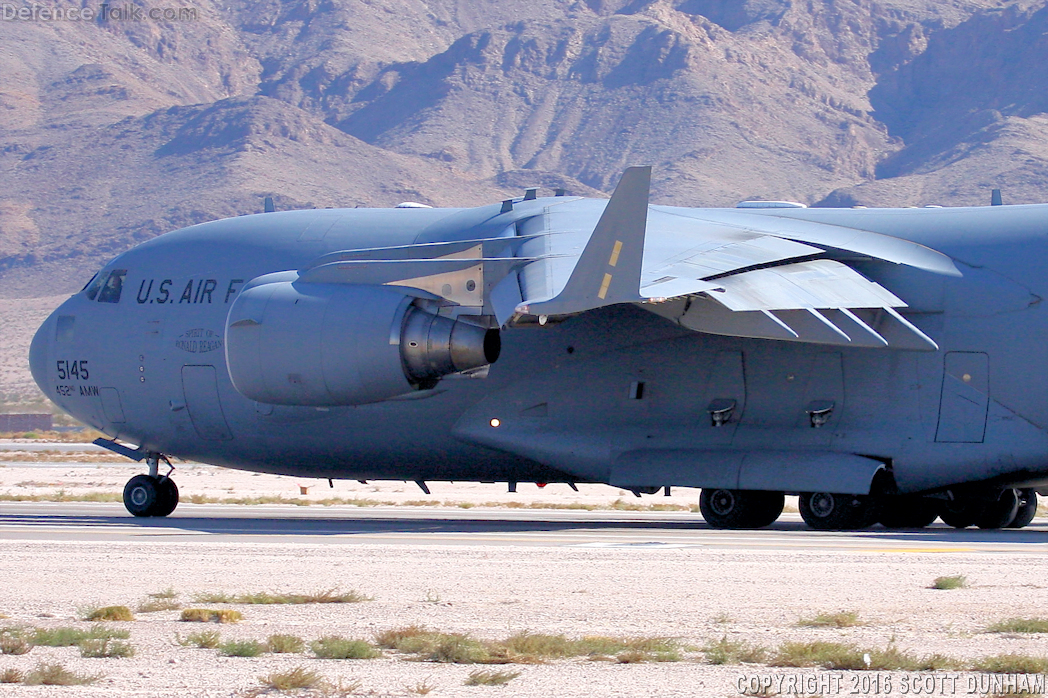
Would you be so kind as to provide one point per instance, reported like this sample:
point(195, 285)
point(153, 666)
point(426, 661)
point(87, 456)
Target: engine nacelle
point(327, 345)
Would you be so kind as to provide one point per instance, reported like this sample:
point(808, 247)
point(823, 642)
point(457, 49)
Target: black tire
point(827, 511)
point(141, 494)
point(167, 497)
point(907, 512)
point(738, 509)
point(959, 514)
point(767, 509)
point(999, 512)
point(1027, 509)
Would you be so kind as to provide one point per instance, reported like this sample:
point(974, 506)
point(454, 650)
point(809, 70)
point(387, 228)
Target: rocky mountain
point(117, 129)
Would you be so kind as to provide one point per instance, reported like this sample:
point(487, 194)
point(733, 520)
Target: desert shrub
point(106, 648)
point(491, 677)
point(335, 647)
point(293, 680)
point(14, 641)
point(110, 613)
point(210, 615)
point(840, 619)
point(958, 581)
point(205, 639)
point(54, 674)
point(1012, 664)
point(241, 648)
point(285, 644)
point(11, 675)
point(725, 651)
point(1020, 625)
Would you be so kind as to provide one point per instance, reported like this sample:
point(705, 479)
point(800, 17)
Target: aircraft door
point(200, 387)
point(965, 397)
point(111, 405)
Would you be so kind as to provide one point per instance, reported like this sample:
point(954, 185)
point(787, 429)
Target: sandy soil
point(694, 594)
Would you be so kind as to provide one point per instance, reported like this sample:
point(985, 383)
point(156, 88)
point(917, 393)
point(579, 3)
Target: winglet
point(608, 271)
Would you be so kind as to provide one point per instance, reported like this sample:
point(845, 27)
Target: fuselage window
point(110, 292)
point(93, 285)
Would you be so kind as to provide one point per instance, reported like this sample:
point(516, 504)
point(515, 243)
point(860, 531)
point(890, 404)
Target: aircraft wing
point(717, 271)
point(726, 272)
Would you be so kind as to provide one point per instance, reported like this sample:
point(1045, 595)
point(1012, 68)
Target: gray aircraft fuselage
point(562, 402)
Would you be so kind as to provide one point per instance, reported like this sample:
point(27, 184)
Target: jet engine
point(329, 345)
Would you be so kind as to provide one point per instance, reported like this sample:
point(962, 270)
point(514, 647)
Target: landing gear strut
point(152, 494)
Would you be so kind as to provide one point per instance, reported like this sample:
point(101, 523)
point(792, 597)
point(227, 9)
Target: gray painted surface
point(566, 394)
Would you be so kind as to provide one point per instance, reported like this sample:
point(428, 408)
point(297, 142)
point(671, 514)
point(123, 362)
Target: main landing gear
point(152, 494)
point(828, 511)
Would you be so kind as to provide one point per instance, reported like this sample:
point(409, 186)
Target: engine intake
point(328, 345)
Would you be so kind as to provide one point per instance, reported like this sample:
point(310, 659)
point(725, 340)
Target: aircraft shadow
point(257, 525)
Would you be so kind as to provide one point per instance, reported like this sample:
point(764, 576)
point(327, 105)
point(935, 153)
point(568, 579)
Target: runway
point(91, 522)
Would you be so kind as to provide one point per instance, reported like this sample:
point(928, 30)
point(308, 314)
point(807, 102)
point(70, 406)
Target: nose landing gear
point(152, 494)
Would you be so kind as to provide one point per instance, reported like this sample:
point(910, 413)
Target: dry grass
point(1011, 664)
point(840, 619)
point(205, 639)
point(241, 648)
point(156, 605)
point(109, 613)
point(335, 647)
point(826, 655)
point(84, 436)
point(11, 675)
point(211, 615)
point(725, 651)
point(14, 641)
point(523, 648)
point(846, 657)
point(54, 674)
point(958, 581)
point(106, 648)
point(293, 680)
point(421, 688)
point(266, 598)
point(491, 677)
point(167, 594)
point(117, 496)
point(285, 644)
point(67, 637)
point(1019, 625)
point(63, 496)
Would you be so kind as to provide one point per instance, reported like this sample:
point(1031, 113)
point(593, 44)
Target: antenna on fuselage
point(995, 198)
point(267, 205)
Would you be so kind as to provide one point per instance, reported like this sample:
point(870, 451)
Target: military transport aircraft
point(884, 364)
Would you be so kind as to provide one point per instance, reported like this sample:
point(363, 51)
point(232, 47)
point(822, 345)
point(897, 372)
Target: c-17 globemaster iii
point(884, 364)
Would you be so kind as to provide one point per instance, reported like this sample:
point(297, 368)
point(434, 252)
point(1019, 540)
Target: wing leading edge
point(719, 272)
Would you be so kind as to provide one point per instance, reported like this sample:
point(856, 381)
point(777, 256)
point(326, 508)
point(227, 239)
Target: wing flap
point(820, 283)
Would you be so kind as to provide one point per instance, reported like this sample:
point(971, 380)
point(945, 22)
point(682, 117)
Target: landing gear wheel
point(907, 512)
point(959, 514)
point(827, 511)
point(141, 495)
point(1000, 512)
point(1027, 509)
point(168, 497)
point(735, 509)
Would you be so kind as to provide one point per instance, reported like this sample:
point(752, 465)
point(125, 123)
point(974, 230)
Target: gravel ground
point(491, 592)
